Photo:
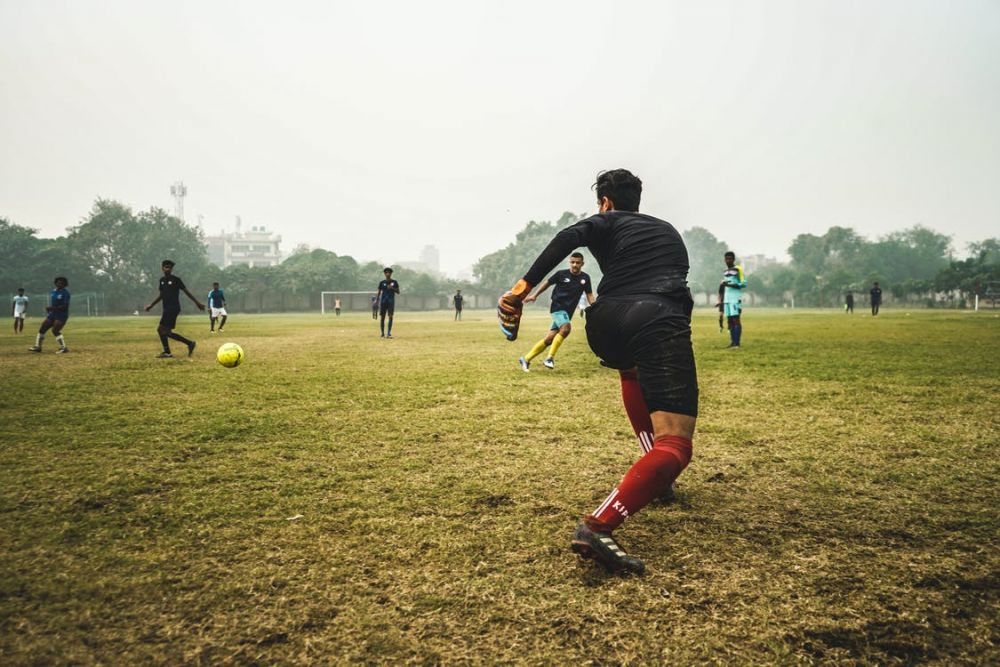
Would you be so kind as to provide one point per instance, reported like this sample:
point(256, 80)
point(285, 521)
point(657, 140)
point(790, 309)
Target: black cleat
point(191, 347)
point(603, 548)
point(164, 355)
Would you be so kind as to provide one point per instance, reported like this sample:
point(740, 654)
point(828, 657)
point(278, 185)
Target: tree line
point(116, 252)
point(914, 264)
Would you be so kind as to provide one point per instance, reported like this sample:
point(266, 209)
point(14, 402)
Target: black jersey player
point(171, 287)
point(640, 325)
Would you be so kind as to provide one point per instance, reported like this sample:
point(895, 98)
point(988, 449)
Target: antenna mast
point(178, 191)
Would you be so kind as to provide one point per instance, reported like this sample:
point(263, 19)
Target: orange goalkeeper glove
point(509, 309)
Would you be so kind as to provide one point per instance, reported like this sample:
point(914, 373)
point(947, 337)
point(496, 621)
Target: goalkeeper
point(640, 325)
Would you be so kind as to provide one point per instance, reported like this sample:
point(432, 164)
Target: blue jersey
point(57, 299)
point(216, 298)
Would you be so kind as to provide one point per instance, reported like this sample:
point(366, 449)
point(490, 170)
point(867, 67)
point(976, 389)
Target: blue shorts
point(732, 309)
point(559, 318)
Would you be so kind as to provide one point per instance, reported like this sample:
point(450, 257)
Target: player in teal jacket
point(734, 281)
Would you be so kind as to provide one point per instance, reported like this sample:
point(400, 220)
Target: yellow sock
point(535, 351)
point(556, 342)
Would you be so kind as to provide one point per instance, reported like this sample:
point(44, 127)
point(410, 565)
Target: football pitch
point(340, 498)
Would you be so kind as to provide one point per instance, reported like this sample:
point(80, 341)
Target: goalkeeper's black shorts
point(653, 334)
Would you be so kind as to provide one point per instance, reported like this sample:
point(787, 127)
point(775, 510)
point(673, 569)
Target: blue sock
point(739, 333)
point(732, 334)
point(390, 326)
point(381, 326)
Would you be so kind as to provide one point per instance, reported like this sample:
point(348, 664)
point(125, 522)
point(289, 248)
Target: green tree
point(705, 256)
point(973, 274)
point(19, 248)
point(122, 251)
point(826, 266)
point(499, 270)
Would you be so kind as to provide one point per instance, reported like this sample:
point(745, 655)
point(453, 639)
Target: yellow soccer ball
point(230, 355)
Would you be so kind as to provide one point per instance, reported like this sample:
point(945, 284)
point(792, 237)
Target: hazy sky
point(373, 128)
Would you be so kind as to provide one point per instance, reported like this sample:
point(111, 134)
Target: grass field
point(342, 499)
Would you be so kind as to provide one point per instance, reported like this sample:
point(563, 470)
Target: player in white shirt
point(19, 308)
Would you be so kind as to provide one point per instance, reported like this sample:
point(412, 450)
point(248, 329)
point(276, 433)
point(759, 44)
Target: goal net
point(348, 301)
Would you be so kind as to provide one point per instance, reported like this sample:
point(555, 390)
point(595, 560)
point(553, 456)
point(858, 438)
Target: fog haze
point(372, 129)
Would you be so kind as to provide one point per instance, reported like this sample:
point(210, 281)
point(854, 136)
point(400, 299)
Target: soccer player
point(171, 287)
point(374, 306)
point(458, 299)
point(387, 291)
point(570, 286)
point(733, 284)
point(56, 314)
point(216, 307)
point(19, 308)
point(849, 302)
point(639, 324)
point(876, 298)
point(336, 306)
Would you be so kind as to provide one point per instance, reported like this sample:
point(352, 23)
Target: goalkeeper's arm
point(509, 309)
point(510, 304)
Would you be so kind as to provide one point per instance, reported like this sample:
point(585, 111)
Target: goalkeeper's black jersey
point(637, 253)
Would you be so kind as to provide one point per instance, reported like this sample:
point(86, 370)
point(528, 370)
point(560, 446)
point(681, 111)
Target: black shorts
point(653, 334)
point(387, 309)
point(169, 318)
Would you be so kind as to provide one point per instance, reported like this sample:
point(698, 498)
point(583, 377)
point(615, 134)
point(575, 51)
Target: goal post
point(349, 300)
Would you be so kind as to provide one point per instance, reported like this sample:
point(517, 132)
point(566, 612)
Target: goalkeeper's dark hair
point(58, 278)
point(621, 186)
point(578, 255)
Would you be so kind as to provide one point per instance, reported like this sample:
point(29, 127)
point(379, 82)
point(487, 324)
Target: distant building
point(432, 258)
point(429, 262)
point(257, 247)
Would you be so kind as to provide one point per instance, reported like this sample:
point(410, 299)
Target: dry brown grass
point(841, 506)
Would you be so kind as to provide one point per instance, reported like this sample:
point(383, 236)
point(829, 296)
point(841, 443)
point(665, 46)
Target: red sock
point(646, 479)
point(635, 408)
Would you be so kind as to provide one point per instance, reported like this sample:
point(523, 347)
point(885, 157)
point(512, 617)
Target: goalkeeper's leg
point(661, 398)
point(645, 480)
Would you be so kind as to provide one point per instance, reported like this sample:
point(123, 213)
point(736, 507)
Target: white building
point(257, 247)
point(429, 262)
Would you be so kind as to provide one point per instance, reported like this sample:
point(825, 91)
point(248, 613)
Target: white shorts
point(219, 312)
point(19, 314)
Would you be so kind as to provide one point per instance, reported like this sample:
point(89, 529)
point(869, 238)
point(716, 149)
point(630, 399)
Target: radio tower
point(178, 191)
